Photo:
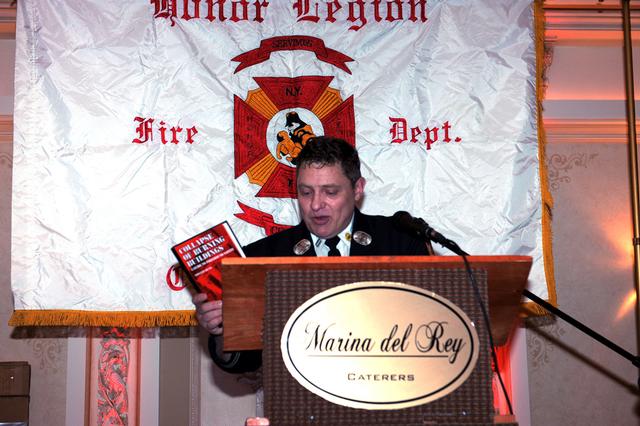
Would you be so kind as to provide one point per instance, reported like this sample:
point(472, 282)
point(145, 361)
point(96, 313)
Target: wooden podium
point(244, 280)
point(253, 284)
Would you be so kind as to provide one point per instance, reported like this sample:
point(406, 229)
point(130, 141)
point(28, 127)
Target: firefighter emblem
point(275, 121)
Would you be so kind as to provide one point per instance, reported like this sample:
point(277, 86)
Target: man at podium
point(329, 186)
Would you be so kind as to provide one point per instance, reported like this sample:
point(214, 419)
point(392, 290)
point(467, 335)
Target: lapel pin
point(302, 247)
point(362, 238)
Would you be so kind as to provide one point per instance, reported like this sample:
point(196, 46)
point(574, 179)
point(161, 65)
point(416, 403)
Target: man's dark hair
point(327, 151)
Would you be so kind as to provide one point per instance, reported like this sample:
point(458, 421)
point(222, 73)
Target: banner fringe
point(547, 198)
point(125, 319)
point(531, 309)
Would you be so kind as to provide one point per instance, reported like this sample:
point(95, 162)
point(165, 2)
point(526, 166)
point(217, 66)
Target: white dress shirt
point(343, 247)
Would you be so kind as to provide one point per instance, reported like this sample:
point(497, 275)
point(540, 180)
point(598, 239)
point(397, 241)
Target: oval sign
point(379, 345)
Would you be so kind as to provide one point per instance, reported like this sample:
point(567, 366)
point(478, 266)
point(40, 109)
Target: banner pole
point(633, 153)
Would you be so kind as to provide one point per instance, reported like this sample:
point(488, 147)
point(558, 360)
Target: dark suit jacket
point(386, 240)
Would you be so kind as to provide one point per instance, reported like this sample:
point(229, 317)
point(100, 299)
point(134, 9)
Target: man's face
point(327, 198)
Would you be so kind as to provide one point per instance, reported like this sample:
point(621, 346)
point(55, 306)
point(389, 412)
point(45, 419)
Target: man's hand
point(209, 314)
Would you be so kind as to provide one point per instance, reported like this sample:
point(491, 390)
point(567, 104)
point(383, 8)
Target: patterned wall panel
point(592, 233)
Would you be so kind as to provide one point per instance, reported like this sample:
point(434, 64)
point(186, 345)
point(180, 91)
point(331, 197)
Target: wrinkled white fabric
point(95, 215)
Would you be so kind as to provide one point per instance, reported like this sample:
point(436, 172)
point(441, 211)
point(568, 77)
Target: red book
point(201, 254)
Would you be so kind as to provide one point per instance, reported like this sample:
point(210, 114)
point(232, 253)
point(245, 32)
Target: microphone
point(417, 226)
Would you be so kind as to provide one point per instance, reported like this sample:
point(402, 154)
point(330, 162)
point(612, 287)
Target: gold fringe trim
point(126, 319)
point(547, 199)
point(531, 309)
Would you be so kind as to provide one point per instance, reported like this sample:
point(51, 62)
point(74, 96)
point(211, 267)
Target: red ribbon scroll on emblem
point(276, 44)
point(261, 219)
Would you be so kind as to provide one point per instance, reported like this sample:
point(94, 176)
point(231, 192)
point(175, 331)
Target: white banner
point(139, 124)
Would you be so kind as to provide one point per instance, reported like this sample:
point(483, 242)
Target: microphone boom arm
point(451, 245)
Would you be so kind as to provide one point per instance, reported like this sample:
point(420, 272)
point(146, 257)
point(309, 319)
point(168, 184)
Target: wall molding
point(587, 22)
point(7, 19)
point(587, 28)
point(586, 130)
point(6, 128)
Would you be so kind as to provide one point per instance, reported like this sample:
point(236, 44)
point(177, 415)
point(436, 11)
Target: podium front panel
point(289, 403)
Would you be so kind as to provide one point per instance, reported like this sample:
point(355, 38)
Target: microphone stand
point(635, 360)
